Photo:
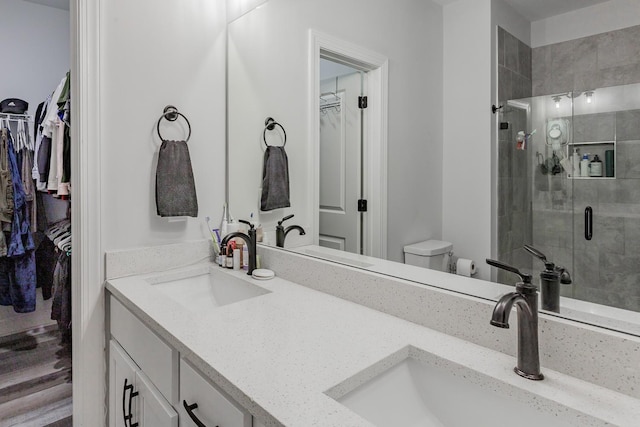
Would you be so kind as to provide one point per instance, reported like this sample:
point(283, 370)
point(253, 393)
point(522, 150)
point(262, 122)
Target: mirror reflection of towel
point(175, 186)
point(275, 179)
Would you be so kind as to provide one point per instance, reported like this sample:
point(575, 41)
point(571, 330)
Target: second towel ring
point(171, 114)
point(270, 124)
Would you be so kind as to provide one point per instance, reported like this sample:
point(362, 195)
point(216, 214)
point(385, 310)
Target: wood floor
point(35, 379)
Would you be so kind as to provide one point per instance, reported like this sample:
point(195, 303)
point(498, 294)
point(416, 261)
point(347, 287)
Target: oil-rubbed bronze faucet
point(525, 298)
point(281, 232)
point(250, 240)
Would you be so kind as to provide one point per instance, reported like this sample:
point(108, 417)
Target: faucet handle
point(246, 222)
point(526, 278)
point(533, 251)
point(284, 219)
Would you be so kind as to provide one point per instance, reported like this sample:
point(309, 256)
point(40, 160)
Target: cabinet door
point(213, 408)
point(153, 408)
point(122, 377)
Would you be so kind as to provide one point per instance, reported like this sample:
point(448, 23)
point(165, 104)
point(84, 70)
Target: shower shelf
point(594, 147)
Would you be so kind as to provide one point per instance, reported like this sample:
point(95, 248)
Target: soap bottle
point(595, 166)
point(222, 257)
point(584, 165)
point(245, 257)
point(236, 259)
point(229, 261)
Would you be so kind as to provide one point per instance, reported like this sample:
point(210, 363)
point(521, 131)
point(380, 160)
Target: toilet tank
point(431, 254)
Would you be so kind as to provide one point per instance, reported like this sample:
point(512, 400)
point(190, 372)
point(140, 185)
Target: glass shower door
point(581, 160)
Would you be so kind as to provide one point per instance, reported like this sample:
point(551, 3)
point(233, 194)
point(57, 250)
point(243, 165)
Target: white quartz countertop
point(279, 353)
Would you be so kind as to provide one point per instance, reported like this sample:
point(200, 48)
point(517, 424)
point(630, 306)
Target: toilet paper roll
point(465, 267)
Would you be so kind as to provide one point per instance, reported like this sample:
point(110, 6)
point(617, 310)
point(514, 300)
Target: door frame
point(375, 133)
point(87, 278)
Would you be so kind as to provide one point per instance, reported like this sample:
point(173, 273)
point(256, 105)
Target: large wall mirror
point(309, 65)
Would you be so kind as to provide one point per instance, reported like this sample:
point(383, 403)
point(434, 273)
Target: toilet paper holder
point(453, 265)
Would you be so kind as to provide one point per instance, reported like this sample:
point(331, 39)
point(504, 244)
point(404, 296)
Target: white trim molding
point(377, 68)
point(89, 363)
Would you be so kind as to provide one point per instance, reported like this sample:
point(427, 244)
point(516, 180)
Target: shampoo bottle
point(575, 161)
point(584, 165)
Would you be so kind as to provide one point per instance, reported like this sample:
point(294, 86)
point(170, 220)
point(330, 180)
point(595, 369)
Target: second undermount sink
point(206, 289)
point(412, 393)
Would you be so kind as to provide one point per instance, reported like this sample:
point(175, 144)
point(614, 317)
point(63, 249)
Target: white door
point(340, 162)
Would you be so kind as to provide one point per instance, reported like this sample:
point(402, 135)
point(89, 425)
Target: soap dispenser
point(595, 166)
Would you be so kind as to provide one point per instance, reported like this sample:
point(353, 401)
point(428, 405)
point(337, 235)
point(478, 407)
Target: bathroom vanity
point(278, 352)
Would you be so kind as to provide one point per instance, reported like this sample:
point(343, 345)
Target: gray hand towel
point(175, 186)
point(275, 179)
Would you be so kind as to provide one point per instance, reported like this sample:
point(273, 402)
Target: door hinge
point(362, 102)
point(362, 205)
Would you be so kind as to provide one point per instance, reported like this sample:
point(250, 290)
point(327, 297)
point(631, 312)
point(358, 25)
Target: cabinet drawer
point(213, 407)
point(158, 360)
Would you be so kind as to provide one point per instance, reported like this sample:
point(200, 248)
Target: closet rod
point(16, 116)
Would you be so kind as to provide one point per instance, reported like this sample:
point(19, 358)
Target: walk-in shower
point(573, 191)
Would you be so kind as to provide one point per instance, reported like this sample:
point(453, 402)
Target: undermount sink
point(207, 290)
point(413, 393)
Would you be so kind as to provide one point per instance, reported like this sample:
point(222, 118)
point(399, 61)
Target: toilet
point(433, 254)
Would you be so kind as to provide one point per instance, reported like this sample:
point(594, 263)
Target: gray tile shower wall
point(514, 210)
point(602, 60)
point(605, 269)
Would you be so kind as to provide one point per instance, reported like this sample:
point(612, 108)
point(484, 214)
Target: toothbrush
point(213, 237)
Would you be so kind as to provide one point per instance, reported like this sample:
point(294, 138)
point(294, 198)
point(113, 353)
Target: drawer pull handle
point(189, 409)
point(132, 394)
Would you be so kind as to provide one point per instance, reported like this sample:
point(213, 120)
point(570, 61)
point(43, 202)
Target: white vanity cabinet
point(151, 386)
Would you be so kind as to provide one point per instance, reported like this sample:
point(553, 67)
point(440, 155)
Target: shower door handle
point(588, 223)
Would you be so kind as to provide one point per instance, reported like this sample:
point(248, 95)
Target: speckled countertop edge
point(271, 378)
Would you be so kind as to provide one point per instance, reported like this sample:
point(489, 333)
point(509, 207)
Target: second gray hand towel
point(275, 179)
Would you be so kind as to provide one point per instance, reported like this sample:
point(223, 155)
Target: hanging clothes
point(61, 305)
point(6, 192)
point(18, 272)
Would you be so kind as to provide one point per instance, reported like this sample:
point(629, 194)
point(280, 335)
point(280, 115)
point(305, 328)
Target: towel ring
point(270, 124)
point(171, 114)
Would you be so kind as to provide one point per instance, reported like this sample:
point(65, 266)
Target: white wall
point(155, 53)
point(35, 50)
point(467, 158)
point(508, 18)
point(600, 18)
point(268, 54)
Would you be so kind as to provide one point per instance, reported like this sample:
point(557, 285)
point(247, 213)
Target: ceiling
point(534, 10)
point(531, 10)
point(58, 4)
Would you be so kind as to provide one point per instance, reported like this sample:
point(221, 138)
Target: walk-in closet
point(35, 214)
